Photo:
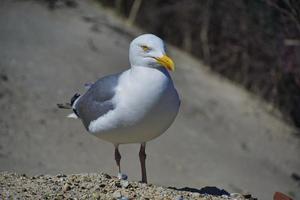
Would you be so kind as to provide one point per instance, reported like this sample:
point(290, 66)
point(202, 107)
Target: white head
point(148, 50)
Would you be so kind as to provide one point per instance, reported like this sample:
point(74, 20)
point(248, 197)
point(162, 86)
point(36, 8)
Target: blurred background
point(254, 43)
point(237, 73)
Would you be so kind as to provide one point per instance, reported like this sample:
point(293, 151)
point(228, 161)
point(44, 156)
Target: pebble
point(66, 187)
point(195, 194)
point(96, 195)
point(235, 195)
point(225, 196)
point(107, 176)
point(61, 175)
point(118, 184)
point(87, 179)
point(159, 189)
point(179, 197)
point(143, 185)
point(117, 195)
point(124, 183)
point(247, 195)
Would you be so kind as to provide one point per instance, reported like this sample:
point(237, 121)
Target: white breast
point(146, 105)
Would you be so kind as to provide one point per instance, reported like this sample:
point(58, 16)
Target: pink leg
point(118, 157)
point(142, 155)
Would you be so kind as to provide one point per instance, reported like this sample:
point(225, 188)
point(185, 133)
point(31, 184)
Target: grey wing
point(97, 101)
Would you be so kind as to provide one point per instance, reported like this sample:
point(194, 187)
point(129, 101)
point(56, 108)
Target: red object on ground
point(281, 196)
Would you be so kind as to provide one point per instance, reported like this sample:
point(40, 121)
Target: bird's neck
point(136, 70)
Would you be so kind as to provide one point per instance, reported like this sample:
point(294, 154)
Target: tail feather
point(74, 98)
point(70, 106)
point(72, 115)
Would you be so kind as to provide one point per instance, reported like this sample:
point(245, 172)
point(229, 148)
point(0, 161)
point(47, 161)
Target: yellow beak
point(167, 62)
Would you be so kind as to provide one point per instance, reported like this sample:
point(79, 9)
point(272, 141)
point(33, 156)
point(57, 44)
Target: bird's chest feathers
point(141, 91)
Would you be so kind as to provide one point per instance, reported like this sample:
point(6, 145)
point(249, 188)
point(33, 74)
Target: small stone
point(236, 195)
point(66, 187)
point(117, 194)
point(195, 195)
point(178, 197)
point(143, 185)
point(60, 196)
point(159, 189)
point(87, 179)
point(107, 176)
point(96, 195)
point(124, 183)
point(247, 195)
point(225, 196)
point(73, 178)
point(118, 184)
point(61, 175)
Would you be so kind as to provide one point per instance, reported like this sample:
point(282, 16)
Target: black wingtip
point(73, 99)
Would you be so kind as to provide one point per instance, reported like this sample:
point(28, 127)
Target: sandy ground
point(222, 137)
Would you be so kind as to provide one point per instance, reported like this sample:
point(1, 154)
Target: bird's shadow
point(211, 190)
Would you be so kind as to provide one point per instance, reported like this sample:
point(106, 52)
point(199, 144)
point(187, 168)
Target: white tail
point(72, 115)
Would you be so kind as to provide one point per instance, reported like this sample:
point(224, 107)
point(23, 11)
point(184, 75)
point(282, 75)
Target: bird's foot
point(122, 176)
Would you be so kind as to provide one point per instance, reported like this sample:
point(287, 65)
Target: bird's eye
point(145, 48)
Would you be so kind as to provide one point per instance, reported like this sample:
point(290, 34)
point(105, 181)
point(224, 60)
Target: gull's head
point(148, 50)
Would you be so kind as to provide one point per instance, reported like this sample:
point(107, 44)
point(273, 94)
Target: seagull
point(133, 106)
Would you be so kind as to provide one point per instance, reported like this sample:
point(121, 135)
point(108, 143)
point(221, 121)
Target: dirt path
point(222, 137)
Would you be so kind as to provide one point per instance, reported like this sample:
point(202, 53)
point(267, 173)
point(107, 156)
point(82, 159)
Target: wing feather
point(97, 101)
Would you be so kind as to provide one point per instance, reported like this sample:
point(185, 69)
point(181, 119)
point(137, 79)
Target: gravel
point(91, 186)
